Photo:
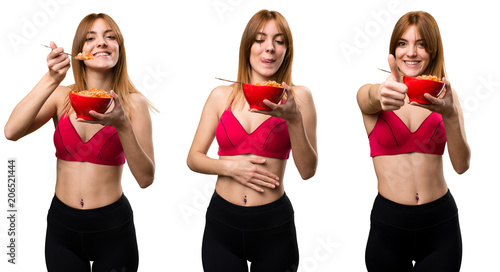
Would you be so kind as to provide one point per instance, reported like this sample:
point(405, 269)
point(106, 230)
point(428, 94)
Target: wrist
point(123, 123)
point(450, 114)
point(226, 167)
point(49, 79)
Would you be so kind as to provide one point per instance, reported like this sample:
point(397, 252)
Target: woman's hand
point(248, 172)
point(444, 106)
point(288, 110)
point(392, 92)
point(58, 63)
point(115, 118)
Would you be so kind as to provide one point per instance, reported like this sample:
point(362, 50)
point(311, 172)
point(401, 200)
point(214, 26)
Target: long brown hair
point(121, 83)
point(284, 73)
point(429, 31)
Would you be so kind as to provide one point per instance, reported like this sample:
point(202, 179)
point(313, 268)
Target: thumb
point(257, 160)
point(394, 68)
point(53, 45)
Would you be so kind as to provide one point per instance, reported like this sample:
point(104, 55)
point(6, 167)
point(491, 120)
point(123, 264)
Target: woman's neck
point(256, 78)
point(99, 79)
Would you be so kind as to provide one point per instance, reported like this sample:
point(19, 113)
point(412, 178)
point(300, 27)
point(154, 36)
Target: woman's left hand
point(115, 118)
point(444, 106)
point(288, 110)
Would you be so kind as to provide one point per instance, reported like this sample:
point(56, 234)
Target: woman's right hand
point(392, 92)
point(58, 63)
point(249, 173)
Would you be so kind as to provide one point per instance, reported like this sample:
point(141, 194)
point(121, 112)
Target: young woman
point(414, 217)
point(90, 219)
point(250, 218)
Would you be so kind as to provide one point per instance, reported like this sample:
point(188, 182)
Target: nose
point(269, 46)
point(101, 42)
point(411, 51)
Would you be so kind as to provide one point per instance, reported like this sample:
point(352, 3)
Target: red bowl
point(83, 104)
point(417, 87)
point(255, 95)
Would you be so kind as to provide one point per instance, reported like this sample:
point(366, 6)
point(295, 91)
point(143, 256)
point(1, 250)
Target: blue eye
point(401, 43)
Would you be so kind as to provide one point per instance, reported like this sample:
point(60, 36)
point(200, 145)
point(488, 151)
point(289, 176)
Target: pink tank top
point(391, 136)
point(103, 148)
point(270, 139)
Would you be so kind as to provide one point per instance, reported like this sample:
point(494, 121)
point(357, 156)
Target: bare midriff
point(238, 194)
point(84, 185)
point(410, 179)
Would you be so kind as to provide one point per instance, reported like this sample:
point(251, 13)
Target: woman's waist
point(88, 191)
point(414, 217)
point(273, 214)
point(110, 216)
point(412, 190)
point(242, 195)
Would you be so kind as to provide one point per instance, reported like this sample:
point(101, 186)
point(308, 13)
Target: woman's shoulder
point(302, 92)
point(60, 94)
point(220, 95)
point(221, 92)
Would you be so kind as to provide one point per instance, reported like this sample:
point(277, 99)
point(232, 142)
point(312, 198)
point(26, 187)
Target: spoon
point(229, 80)
point(77, 57)
point(61, 53)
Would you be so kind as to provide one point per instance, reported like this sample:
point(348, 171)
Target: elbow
point(308, 173)
point(189, 163)
point(462, 169)
point(146, 182)
point(9, 134)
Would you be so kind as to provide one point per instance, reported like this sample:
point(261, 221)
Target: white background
point(176, 48)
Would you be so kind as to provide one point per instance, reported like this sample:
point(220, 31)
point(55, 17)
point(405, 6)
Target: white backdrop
point(176, 48)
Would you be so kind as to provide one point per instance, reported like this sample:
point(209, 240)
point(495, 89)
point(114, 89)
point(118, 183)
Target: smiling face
point(411, 56)
point(267, 52)
point(101, 42)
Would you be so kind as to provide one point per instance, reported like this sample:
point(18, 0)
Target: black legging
point(428, 234)
point(264, 235)
point(104, 235)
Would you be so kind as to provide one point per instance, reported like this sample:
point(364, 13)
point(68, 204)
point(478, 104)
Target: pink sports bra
point(270, 139)
point(103, 148)
point(391, 136)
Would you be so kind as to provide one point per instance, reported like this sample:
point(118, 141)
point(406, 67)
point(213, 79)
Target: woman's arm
point(136, 136)
point(388, 96)
point(246, 170)
point(449, 108)
point(301, 122)
point(39, 105)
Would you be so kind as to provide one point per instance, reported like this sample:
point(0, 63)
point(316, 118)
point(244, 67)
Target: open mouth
point(412, 62)
point(101, 54)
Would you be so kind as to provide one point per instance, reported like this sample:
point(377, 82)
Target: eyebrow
point(419, 40)
point(93, 32)
point(264, 34)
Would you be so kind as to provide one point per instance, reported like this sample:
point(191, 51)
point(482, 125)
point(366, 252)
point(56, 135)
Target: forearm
point(141, 165)
point(25, 112)
point(201, 163)
point(304, 154)
point(368, 99)
point(458, 147)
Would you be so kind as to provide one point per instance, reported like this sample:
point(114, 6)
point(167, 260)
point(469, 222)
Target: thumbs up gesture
point(392, 91)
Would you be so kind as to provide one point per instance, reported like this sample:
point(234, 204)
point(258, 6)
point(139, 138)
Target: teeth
point(101, 54)
point(411, 62)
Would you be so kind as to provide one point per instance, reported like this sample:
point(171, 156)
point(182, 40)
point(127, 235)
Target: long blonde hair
point(284, 73)
point(429, 31)
point(121, 83)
